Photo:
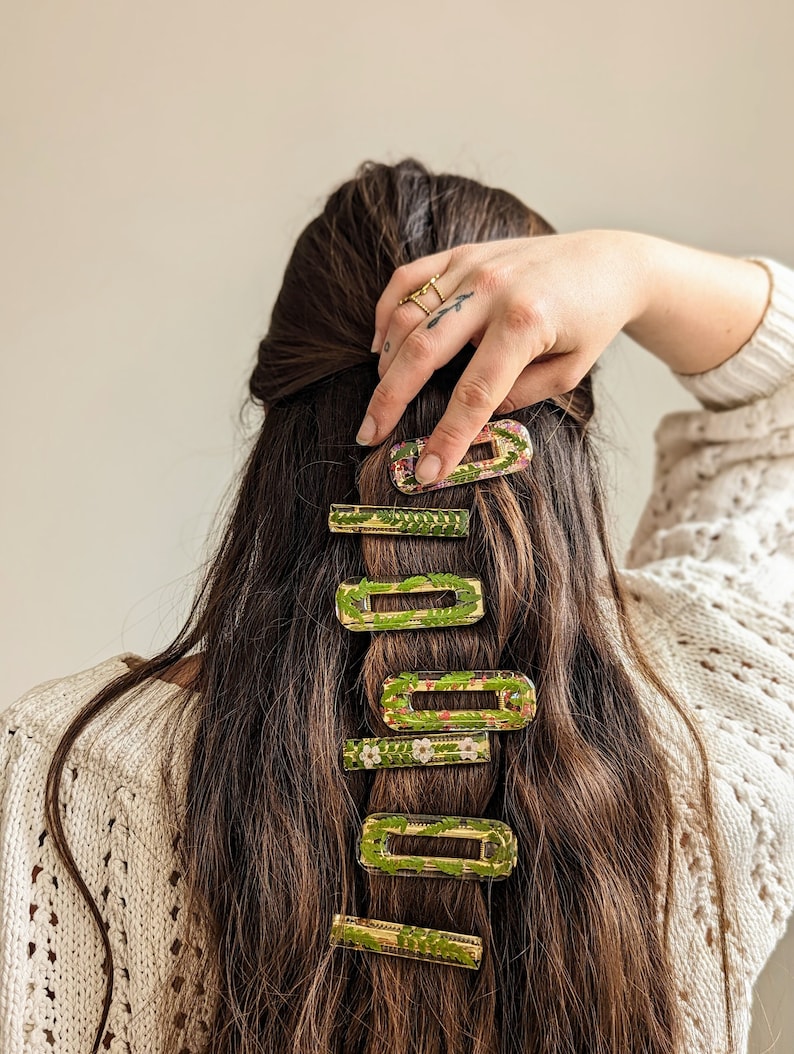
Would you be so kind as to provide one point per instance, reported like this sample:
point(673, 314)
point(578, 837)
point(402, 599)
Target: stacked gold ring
point(421, 291)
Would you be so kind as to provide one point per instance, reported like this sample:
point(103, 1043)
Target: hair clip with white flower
point(410, 751)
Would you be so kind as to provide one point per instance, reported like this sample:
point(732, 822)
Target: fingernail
point(376, 342)
point(367, 431)
point(428, 468)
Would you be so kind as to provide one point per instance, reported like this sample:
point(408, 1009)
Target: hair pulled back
point(574, 941)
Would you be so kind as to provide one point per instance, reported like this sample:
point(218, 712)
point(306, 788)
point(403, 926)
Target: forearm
point(697, 308)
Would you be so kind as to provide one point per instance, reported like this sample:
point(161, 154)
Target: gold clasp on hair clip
point(412, 751)
point(410, 942)
point(513, 453)
point(515, 695)
point(354, 602)
point(376, 519)
point(498, 850)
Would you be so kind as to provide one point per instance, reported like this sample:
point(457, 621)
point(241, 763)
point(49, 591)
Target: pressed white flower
point(467, 749)
point(370, 755)
point(423, 750)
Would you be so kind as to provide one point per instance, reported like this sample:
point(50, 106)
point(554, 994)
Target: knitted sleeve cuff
point(765, 362)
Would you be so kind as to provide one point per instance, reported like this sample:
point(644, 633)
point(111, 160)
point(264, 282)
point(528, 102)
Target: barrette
point(498, 850)
point(513, 452)
point(411, 942)
point(354, 602)
point(515, 699)
point(413, 751)
point(394, 519)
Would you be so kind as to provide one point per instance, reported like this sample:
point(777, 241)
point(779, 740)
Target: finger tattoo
point(456, 306)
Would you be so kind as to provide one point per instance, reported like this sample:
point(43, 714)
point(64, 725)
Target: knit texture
point(710, 581)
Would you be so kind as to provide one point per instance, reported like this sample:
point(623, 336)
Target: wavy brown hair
point(575, 950)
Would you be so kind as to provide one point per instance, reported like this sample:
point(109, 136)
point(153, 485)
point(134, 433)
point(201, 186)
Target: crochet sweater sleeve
point(711, 583)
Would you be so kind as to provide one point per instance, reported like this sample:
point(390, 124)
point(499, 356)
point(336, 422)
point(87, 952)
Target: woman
point(211, 807)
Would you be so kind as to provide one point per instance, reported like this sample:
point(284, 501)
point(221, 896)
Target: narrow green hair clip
point(396, 519)
point(416, 751)
point(410, 942)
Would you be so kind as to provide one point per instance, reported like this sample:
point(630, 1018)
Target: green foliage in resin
point(405, 751)
point(412, 942)
point(515, 698)
point(353, 602)
point(498, 851)
point(374, 519)
point(513, 453)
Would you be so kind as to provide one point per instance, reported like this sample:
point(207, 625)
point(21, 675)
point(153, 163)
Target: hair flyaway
point(424, 809)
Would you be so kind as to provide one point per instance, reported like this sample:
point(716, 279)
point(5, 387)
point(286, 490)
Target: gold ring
point(421, 291)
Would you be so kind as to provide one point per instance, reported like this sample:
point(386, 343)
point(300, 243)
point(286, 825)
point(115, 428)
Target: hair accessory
point(513, 453)
point(412, 751)
point(376, 519)
point(515, 696)
point(498, 850)
point(421, 291)
point(354, 597)
point(412, 942)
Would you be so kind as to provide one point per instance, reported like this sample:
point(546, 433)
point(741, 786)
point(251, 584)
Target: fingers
point(444, 300)
point(427, 345)
point(489, 385)
point(483, 386)
point(404, 280)
point(543, 379)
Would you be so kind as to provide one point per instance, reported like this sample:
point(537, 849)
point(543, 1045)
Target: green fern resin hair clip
point(411, 942)
point(408, 751)
point(515, 698)
point(394, 519)
point(354, 602)
point(498, 852)
point(513, 452)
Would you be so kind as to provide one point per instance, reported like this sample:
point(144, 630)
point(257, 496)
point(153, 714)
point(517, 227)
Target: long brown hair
point(575, 951)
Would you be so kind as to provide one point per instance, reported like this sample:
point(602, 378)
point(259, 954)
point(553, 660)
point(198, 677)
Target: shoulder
point(129, 742)
point(122, 830)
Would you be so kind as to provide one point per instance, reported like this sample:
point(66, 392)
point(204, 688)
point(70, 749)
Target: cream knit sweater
point(712, 588)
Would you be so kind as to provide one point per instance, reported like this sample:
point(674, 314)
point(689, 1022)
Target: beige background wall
point(158, 160)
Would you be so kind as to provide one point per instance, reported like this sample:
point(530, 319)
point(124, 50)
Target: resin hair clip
point(393, 519)
point(411, 942)
point(410, 751)
point(515, 698)
point(498, 850)
point(513, 452)
point(354, 602)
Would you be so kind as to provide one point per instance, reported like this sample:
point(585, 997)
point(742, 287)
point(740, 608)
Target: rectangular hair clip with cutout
point(388, 519)
point(513, 452)
point(515, 701)
point(498, 850)
point(413, 751)
point(354, 602)
point(410, 942)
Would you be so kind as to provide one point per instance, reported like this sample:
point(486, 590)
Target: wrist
point(697, 308)
point(640, 253)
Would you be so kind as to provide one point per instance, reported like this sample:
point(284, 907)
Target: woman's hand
point(540, 310)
